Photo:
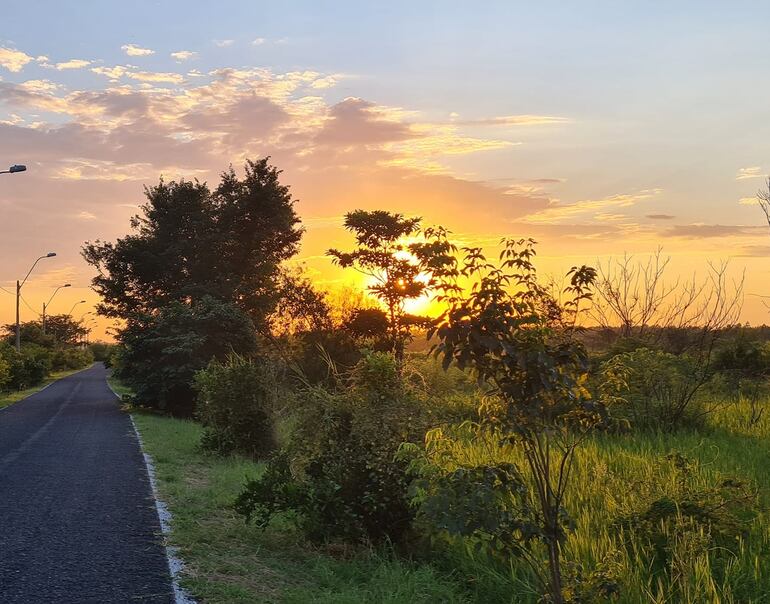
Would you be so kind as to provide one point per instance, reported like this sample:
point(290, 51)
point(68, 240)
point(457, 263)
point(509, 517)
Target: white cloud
point(13, 60)
point(156, 76)
point(73, 64)
point(258, 41)
point(183, 55)
point(118, 71)
point(85, 216)
point(132, 50)
point(325, 82)
point(752, 172)
point(223, 43)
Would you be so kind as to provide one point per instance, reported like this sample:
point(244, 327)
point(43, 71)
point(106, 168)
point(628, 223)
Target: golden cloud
point(13, 60)
point(72, 64)
point(132, 50)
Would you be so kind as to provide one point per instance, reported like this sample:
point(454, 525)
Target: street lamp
point(47, 304)
point(91, 322)
point(74, 305)
point(19, 285)
point(14, 168)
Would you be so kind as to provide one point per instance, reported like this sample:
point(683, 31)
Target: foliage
point(742, 358)
point(70, 357)
point(60, 330)
point(236, 399)
point(339, 475)
point(102, 352)
point(161, 353)
point(517, 339)
point(368, 323)
point(672, 529)
point(399, 271)
point(301, 306)
point(658, 389)
point(5, 366)
point(26, 368)
point(190, 242)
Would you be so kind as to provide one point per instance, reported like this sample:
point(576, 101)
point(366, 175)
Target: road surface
point(77, 517)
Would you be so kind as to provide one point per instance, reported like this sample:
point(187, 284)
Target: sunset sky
point(597, 128)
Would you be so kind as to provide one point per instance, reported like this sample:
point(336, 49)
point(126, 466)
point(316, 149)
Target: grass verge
point(230, 562)
point(13, 397)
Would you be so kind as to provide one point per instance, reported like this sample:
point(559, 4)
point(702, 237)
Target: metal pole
point(18, 325)
point(43, 318)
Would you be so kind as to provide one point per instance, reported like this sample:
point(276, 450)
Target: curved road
point(77, 517)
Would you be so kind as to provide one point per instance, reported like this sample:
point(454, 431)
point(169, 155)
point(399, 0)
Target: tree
point(301, 306)
point(60, 330)
point(634, 299)
point(510, 332)
point(191, 242)
point(383, 256)
point(763, 198)
point(161, 353)
point(399, 271)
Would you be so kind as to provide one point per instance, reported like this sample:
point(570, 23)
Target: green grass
point(231, 562)
point(8, 398)
point(117, 386)
point(616, 474)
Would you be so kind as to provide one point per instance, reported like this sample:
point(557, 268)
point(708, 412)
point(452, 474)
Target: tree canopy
point(190, 241)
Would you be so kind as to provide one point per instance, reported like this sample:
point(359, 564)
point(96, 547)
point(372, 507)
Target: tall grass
point(615, 475)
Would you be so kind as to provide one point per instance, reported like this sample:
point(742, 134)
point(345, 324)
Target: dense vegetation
point(523, 456)
point(59, 348)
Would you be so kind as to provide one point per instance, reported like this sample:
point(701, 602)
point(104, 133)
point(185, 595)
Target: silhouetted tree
point(191, 242)
point(399, 270)
point(60, 330)
point(301, 307)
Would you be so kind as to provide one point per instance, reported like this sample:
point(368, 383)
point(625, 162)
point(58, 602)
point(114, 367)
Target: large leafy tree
point(196, 278)
point(189, 242)
point(160, 353)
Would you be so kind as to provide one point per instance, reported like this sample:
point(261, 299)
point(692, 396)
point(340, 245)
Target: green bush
point(161, 353)
point(5, 365)
point(70, 358)
point(235, 402)
point(657, 389)
point(27, 368)
point(339, 476)
point(102, 352)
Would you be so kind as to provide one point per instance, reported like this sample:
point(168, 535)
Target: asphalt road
point(77, 517)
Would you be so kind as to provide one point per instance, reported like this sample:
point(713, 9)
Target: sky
point(597, 128)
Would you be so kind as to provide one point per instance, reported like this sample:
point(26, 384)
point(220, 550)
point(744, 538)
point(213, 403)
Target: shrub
point(658, 389)
point(321, 355)
point(339, 474)
point(28, 367)
point(160, 354)
point(70, 358)
point(235, 402)
point(5, 366)
point(102, 352)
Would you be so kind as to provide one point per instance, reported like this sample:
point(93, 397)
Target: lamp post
point(47, 304)
point(74, 305)
point(91, 322)
point(14, 168)
point(19, 285)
